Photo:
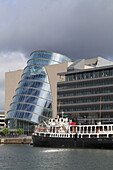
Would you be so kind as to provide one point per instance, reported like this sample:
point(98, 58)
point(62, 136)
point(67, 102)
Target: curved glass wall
point(51, 56)
point(38, 76)
point(34, 92)
point(40, 61)
point(35, 84)
point(35, 69)
point(32, 100)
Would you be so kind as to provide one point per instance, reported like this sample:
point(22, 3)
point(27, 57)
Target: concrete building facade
point(35, 93)
point(2, 120)
point(86, 95)
point(12, 79)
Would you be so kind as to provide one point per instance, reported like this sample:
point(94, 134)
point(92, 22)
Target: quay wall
point(20, 140)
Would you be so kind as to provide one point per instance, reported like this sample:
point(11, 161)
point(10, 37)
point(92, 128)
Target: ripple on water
point(21, 157)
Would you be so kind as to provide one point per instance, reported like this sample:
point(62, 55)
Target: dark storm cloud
point(76, 28)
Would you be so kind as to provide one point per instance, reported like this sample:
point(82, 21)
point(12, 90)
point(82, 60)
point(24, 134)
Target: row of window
point(105, 98)
point(94, 116)
point(22, 115)
point(94, 129)
point(40, 61)
point(89, 114)
point(35, 84)
point(51, 56)
point(19, 124)
point(62, 135)
point(17, 114)
point(33, 100)
point(26, 115)
point(86, 108)
point(86, 84)
point(35, 68)
point(34, 92)
point(92, 91)
point(28, 107)
point(36, 76)
point(90, 75)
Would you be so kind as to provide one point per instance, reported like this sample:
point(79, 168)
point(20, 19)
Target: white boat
point(62, 132)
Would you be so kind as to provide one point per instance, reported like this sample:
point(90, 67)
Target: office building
point(2, 120)
point(86, 94)
point(35, 97)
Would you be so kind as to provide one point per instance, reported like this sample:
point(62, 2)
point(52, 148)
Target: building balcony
point(65, 82)
point(85, 88)
point(84, 96)
point(85, 104)
point(86, 112)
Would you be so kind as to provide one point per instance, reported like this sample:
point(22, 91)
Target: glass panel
point(42, 62)
point(51, 56)
point(86, 84)
point(33, 100)
point(90, 75)
point(39, 69)
point(78, 76)
point(29, 116)
point(36, 76)
point(86, 100)
point(34, 92)
point(17, 114)
point(106, 72)
point(36, 118)
point(27, 107)
point(35, 84)
point(86, 92)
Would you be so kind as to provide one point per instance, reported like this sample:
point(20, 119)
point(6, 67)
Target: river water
point(25, 157)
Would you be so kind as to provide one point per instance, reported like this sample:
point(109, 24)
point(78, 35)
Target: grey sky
point(75, 28)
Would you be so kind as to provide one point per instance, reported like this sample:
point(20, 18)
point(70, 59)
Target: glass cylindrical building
point(32, 102)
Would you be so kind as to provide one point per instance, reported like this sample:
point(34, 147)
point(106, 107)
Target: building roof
point(98, 62)
point(77, 65)
point(94, 63)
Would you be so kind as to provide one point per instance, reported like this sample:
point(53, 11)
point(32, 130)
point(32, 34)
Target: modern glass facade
point(87, 95)
point(32, 102)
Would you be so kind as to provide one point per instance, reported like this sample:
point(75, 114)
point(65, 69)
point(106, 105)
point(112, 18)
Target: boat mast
point(59, 106)
point(62, 114)
point(100, 110)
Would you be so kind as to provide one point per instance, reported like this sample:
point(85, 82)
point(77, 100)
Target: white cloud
point(9, 62)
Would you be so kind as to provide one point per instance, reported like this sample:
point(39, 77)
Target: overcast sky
point(75, 28)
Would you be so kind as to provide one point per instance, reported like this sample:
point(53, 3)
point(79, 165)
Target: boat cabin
point(95, 131)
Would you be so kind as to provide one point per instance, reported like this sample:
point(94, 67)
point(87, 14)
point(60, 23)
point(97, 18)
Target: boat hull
point(41, 141)
point(104, 143)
